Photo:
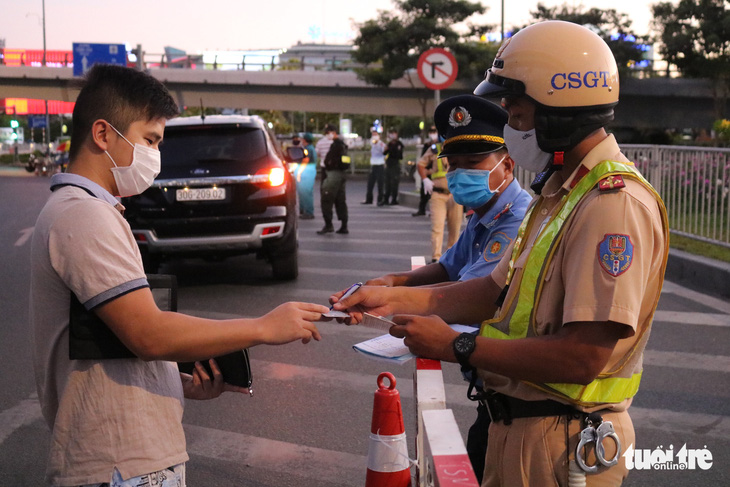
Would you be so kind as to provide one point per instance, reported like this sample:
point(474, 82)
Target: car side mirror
point(294, 154)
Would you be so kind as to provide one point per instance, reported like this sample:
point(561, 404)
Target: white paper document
point(392, 349)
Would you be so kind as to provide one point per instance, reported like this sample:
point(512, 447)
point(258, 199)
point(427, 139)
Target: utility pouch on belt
point(91, 339)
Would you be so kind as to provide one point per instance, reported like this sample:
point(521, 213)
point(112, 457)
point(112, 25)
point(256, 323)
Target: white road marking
point(685, 423)
point(303, 461)
point(693, 318)
point(25, 235)
point(684, 360)
point(711, 302)
point(405, 257)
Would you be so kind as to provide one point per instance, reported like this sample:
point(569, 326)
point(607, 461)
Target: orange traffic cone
point(388, 464)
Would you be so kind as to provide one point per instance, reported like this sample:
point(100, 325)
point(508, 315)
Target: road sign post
point(86, 55)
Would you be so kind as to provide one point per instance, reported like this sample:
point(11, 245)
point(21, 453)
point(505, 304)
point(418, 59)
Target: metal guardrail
point(694, 183)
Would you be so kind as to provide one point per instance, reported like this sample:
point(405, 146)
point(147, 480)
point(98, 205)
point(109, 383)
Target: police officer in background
point(432, 170)
point(435, 146)
point(578, 288)
point(332, 189)
point(394, 154)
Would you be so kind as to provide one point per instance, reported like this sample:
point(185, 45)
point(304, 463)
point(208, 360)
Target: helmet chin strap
point(559, 129)
point(540, 180)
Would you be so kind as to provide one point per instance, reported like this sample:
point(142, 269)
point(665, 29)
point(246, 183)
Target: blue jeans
point(169, 477)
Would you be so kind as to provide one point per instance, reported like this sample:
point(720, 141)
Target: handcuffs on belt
point(596, 431)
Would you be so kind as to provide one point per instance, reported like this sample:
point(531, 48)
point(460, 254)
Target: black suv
point(223, 190)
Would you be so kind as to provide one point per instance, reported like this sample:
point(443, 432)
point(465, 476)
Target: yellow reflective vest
point(611, 387)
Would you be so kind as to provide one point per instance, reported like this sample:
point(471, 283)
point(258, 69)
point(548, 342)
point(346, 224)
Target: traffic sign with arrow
point(437, 68)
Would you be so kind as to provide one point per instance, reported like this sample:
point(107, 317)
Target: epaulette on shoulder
point(609, 183)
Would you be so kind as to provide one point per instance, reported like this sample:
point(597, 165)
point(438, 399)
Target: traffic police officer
point(432, 170)
point(579, 286)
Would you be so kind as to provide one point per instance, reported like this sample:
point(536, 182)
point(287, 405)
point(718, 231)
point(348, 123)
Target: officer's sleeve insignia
point(611, 182)
point(615, 253)
point(495, 247)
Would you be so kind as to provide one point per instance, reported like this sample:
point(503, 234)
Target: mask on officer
point(330, 136)
point(523, 149)
point(470, 187)
point(434, 136)
point(139, 175)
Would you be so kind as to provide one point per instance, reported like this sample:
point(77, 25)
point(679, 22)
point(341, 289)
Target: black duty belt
point(441, 190)
point(505, 408)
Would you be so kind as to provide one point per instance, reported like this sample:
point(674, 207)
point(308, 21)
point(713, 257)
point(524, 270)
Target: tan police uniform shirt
point(577, 287)
point(429, 161)
point(123, 413)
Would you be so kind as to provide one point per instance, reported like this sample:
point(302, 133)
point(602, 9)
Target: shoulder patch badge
point(615, 253)
point(611, 182)
point(496, 246)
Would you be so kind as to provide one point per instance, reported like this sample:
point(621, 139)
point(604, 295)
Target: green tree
point(694, 36)
point(391, 43)
point(277, 119)
point(611, 26)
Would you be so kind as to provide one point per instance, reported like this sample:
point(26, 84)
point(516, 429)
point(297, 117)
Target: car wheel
point(285, 266)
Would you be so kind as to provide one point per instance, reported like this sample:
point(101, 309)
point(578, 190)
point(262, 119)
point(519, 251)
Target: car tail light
point(275, 176)
point(140, 237)
point(270, 230)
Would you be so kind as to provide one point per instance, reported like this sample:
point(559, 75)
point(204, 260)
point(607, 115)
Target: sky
point(196, 26)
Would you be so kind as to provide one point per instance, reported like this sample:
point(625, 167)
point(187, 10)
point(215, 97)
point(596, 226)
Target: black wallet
point(235, 367)
point(91, 339)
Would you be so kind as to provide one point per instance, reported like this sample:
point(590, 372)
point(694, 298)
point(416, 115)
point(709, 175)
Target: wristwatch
point(463, 348)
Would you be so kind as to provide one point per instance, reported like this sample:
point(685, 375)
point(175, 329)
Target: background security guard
point(579, 286)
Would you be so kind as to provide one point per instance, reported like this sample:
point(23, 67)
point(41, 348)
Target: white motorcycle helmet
point(567, 70)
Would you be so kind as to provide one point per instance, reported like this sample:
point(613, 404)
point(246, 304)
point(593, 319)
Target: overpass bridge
point(652, 103)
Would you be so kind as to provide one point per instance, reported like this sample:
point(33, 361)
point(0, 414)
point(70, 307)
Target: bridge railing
point(694, 183)
point(249, 62)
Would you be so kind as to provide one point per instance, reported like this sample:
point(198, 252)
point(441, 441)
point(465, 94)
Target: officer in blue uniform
point(480, 177)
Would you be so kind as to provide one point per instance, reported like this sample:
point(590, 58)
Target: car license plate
point(200, 194)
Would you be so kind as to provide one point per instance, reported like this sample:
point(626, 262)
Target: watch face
point(464, 343)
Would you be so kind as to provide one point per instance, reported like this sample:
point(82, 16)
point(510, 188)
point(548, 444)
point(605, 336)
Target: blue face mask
point(470, 187)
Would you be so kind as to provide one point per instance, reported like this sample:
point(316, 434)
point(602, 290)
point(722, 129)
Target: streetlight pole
point(47, 132)
point(501, 39)
point(44, 32)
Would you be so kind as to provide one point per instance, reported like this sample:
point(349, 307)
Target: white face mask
point(330, 136)
point(434, 137)
point(523, 149)
point(138, 176)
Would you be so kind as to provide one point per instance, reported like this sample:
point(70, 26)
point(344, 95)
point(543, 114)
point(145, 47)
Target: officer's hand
point(200, 385)
point(425, 336)
point(371, 299)
point(427, 185)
